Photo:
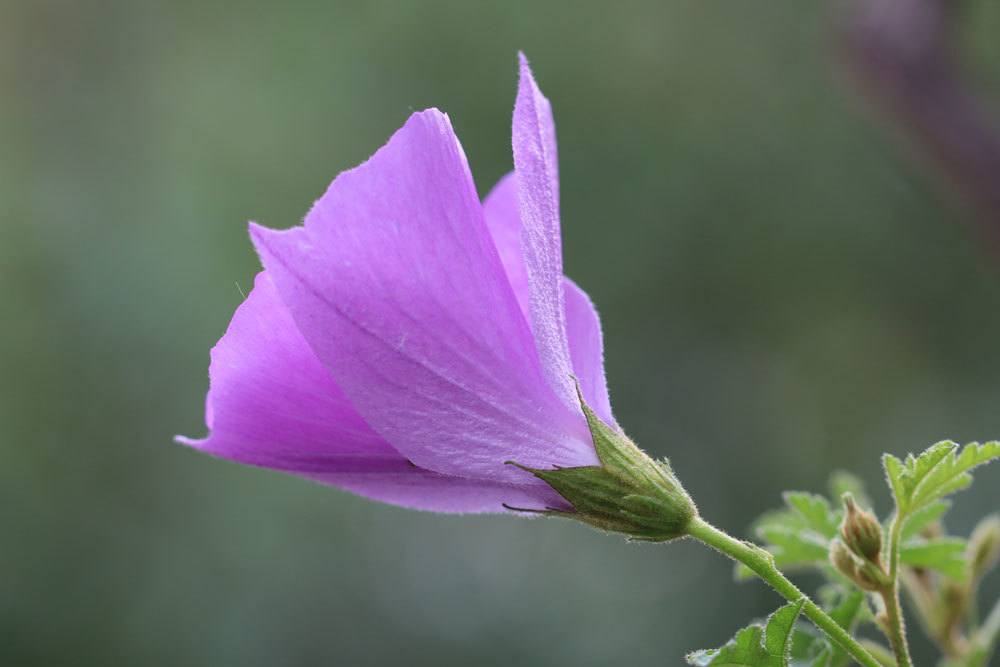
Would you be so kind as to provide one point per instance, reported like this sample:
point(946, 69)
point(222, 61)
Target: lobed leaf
point(815, 511)
point(811, 649)
point(939, 471)
point(945, 554)
point(917, 521)
point(799, 535)
point(755, 646)
point(842, 482)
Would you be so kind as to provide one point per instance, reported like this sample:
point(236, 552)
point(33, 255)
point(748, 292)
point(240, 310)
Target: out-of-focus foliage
point(856, 553)
point(798, 536)
point(777, 282)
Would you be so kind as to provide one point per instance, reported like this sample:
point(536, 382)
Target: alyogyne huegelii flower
point(414, 345)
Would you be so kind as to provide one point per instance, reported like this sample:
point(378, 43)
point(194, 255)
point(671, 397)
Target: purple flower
point(408, 340)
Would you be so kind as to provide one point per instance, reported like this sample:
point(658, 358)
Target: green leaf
point(794, 546)
point(810, 649)
point(850, 609)
point(755, 646)
point(815, 512)
point(923, 518)
point(814, 650)
point(945, 554)
point(842, 482)
point(799, 535)
point(941, 470)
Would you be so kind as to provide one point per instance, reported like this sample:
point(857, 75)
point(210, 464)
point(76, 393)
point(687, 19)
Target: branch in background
point(986, 637)
point(902, 54)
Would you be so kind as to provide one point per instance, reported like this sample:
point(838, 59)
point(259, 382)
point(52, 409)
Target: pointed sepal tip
point(629, 493)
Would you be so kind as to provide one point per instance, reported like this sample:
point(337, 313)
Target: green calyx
point(628, 493)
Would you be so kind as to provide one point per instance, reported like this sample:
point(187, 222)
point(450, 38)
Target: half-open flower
point(407, 340)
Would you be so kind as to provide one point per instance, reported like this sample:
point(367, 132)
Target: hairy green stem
point(895, 628)
point(761, 562)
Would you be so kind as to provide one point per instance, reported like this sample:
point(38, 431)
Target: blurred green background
point(784, 290)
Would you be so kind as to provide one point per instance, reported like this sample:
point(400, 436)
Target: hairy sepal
point(629, 493)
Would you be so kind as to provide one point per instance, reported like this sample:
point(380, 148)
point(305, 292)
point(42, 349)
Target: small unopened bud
point(861, 531)
point(842, 559)
point(866, 575)
point(984, 547)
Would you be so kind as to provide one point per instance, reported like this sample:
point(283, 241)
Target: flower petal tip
point(257, 231)
point(273, 244)
point(431, 118)
point(526, 79)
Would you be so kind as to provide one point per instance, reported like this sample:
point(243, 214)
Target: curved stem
point(984, 639)
point(762, 564)
point(989, 631)
point(895, 628)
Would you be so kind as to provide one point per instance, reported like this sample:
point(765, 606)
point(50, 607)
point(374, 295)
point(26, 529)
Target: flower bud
point(628, 493)
point(866, 575)
point(842, 559)
point(861, 531)
point(984, 547)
